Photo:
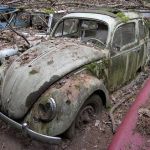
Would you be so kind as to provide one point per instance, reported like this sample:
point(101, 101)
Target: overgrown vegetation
point(48, 10)
point(147, 22)
point(122, 17)
point(99, 69)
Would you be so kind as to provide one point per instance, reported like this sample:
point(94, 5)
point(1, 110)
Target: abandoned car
point(12, 16)
point(19, 18)
point(58, 85)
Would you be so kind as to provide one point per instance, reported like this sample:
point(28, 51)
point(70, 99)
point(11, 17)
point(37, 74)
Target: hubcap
point(85, 116)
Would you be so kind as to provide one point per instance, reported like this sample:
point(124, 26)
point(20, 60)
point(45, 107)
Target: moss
point(98, 69)
point(94, 68)
point(48, 10)
point(122, 17)
point(147, 23)
point(33, 71)
point(108, 108)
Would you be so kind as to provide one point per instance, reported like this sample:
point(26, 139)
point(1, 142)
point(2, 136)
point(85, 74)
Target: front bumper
point(29, 132)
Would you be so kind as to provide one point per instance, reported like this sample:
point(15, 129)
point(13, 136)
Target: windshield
point(86, 30)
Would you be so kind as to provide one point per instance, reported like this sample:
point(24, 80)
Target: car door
point(143, 49)
point(124, 55)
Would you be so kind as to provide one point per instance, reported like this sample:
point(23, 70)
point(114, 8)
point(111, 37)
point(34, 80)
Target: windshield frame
point(83, 18)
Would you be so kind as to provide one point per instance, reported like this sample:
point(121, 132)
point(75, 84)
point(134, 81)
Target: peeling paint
point(69, 98)
point(35, 95)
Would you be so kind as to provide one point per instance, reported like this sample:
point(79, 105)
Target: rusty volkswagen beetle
point(63, 83)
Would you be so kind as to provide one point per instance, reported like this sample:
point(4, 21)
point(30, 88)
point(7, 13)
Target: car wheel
point(90, 110)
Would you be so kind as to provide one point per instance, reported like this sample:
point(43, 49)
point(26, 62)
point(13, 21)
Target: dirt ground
point(143, 125)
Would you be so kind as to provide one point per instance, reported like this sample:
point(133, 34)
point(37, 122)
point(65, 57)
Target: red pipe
point(127, 137)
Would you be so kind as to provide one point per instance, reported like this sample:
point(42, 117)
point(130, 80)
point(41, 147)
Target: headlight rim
point(52, 113)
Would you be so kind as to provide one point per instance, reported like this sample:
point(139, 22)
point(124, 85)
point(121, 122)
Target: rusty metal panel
point(69, 94)
point(31, 74)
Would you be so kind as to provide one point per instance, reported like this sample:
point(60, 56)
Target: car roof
point(113, 13)
point(110, 20)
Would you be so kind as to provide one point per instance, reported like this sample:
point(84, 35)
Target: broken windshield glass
point(83, 29)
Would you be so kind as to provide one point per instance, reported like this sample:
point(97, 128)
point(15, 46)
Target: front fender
point(69, 93)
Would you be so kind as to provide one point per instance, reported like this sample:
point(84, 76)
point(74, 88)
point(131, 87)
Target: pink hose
point(127, 137)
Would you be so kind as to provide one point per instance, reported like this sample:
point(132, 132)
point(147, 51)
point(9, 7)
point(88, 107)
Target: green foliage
point(94, 68)
point(147, 22)
point(108, 108)
point(98, 69)
point(122, 17)
point(48, 10)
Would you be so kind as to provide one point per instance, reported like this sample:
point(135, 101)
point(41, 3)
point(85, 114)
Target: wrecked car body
point(49, 88)
point(41, 20)
point(14, 17)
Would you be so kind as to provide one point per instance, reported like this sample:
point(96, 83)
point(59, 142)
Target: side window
point(94, 29)
point(141, 30)
point(124, 35)
point(70, 26)
point(58, 31)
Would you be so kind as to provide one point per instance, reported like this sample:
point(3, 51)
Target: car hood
point(38, 68)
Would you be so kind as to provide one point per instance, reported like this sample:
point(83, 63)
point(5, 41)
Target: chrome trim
point(29, 132)
point(53, 106)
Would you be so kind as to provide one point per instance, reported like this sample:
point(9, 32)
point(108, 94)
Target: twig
point(141, 2)
point(15, 1)
point(87, 5)
point(113, 109)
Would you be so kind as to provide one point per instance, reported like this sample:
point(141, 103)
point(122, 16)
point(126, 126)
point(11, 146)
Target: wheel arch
point(102, 96)
point(69, 99)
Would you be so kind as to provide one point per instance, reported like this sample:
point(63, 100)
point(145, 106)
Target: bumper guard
point(29, 132)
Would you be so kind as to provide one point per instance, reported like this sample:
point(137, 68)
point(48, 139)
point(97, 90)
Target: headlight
point(47, 111)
